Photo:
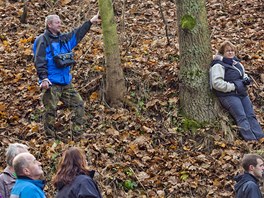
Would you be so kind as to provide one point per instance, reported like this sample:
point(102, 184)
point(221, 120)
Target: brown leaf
point(142, 176)
point(112, 132)
point(65, 2)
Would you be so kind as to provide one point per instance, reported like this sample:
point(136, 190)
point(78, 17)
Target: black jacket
point(247, 186)
point(82, 186)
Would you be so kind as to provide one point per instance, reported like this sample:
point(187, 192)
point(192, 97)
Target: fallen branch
point(90, 83)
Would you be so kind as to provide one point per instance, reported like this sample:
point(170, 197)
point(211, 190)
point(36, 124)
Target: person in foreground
point(55, 78)
point(247, 185)
point(229, 83)
point(8, 177)
point(73, 179)
point(29, 172)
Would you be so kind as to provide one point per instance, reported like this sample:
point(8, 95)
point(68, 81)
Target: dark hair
point(224, 45)
point(72, 164)
point(250, 159)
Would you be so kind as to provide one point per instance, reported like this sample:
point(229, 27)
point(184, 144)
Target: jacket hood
point(241, 179)
point(218, 58)
point(61, 184)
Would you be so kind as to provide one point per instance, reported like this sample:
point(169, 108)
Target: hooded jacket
point(61, 43)
point(247, 186)
point(226, 77)
point(28, 188)
point(81, 186)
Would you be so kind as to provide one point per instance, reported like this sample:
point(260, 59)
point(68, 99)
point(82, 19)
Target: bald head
point(25, 164)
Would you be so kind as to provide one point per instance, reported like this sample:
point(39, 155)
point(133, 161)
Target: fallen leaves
point(144, 147)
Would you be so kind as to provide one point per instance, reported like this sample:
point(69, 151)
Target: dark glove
point(241, 89)
point(246, 81)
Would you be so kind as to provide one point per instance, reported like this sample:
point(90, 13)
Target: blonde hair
point(224, 45)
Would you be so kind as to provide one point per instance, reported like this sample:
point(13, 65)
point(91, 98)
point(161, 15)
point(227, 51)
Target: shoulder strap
point(48, 41)
point(63, 42)
point(51, 48)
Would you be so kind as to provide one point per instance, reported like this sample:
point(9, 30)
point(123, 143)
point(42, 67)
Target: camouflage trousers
point(71, 99)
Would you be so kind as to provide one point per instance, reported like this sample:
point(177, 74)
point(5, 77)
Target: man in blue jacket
point(55, 80)
point(247, 185)
point(29, 172)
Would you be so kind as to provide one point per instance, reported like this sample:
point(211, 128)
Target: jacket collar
point(252, 176)
point(38, 183)
point(9, 172)
point(48, 33)
point(246, 176)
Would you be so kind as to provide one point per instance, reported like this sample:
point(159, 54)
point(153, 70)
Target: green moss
point(193, 75)
point(129, 184)
point(191, 125)
point(188, 22)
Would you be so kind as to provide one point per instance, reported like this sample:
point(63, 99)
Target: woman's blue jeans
point(241, 109)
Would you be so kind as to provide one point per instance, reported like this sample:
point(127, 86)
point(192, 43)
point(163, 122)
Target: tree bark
point(115, 82)
point(196, 100)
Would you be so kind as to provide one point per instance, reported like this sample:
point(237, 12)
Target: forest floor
point(145, 149)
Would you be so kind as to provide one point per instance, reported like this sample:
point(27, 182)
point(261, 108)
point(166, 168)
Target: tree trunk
point(196, 100)
point(115, 82)
point(23, 17)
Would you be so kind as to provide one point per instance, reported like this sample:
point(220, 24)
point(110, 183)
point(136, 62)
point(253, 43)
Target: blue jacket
point(81, 186)
point(28, 188)
point(247, 186)
point(61, 43)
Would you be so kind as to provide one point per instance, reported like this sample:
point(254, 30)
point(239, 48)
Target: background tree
point(23, 17)
point(195, 55)
point(114, 79)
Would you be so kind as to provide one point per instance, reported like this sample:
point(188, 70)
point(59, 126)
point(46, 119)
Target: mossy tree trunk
point(196, 100)
point(115, 82)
